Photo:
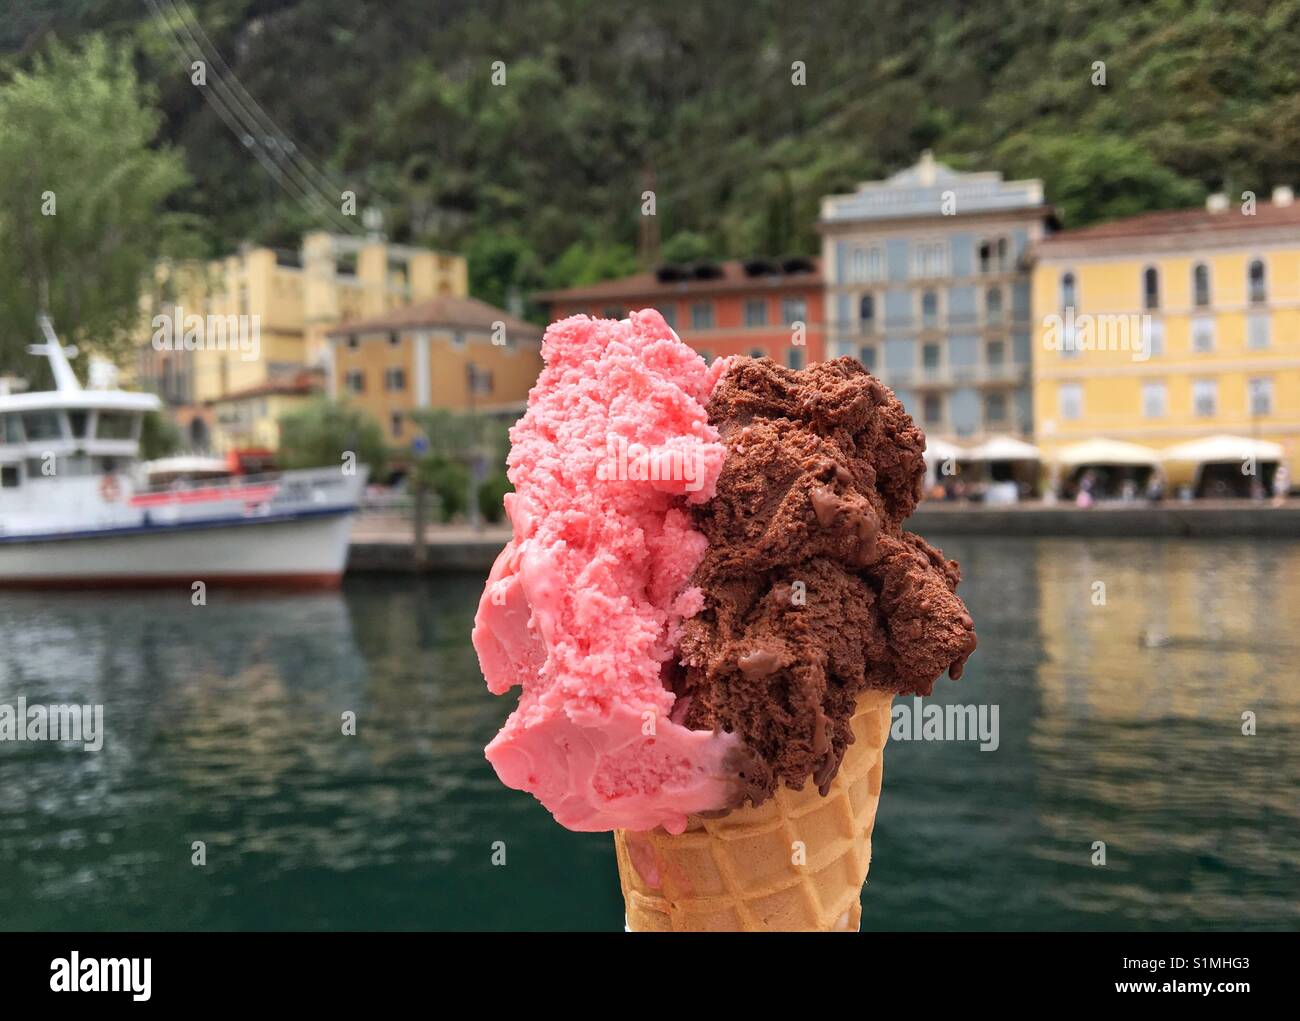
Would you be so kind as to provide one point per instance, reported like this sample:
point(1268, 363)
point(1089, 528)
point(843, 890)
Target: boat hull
point(296, 550)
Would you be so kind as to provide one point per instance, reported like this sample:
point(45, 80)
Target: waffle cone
point(795, 863)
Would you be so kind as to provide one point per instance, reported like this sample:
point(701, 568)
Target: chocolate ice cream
point(813, 592)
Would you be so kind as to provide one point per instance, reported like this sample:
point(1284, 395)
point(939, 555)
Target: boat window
point(42, 425)
point(71, 467)
point(40, 468)
point(115, 425)
point(11, 429)
point(77, 419)
point(8, 476)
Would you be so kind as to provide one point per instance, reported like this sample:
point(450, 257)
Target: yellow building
point(249, 420)
point(1169, 326)
point(260, 317)
point(454, 353)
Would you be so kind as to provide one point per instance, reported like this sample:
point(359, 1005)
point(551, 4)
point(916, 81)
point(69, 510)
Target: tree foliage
point(321, 433)
point(83, 193)
point(539, 180)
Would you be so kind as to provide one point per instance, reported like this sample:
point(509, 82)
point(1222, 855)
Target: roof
point(443, 311)
point(696, 278)
point(301, 385)
point(1171, 227)
point(923, 189)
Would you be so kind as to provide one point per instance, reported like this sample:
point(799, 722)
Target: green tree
point(83, 191)
point(459, 446)
point(686, 246)
point(159, 436)
point(321, 433)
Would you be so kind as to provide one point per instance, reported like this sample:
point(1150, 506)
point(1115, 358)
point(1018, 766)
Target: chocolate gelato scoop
point(812, 590)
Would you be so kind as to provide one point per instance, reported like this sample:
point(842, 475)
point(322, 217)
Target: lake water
point(1121, 669)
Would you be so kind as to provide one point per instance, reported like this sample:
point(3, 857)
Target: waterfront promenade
point(383, 543)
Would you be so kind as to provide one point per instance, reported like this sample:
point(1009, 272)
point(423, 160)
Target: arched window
point(1201, 284)
point(1150, 288)
point(859, 265)
point(1002, 255)
point(1069, 292)
point(993, 305)
point(1258, 283)
point(867, 313)
point(986, 257)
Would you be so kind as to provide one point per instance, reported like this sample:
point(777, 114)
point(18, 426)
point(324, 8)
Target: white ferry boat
point(77, 509)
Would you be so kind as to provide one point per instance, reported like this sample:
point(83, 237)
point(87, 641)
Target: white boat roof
point(106, 400)
point(69, 393)
point(186, 463)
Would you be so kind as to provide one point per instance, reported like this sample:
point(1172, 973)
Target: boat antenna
point(65, 380)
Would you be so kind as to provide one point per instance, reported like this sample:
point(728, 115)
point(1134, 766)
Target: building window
point(1003, 262)
point(993, 305)
point(794, 358)
point(866, 264)
point(394, 338)
point(867, 356)
point(794, 310)
point(756, 312)
point(1257, 330)
point(930, 358)
point(1069, 400)
point(757, 352)
point(395, 424)
point(986, 257)
point(1069, 292)
point(355, 381)
point(1154, 400)
point(1201, 285)
point(867, 314)
point(995, 409)
point(929, 259)
point(707, 356)
point(613, 312)
point(1260, 396)
point(394, 379)
point(929, 310)
point(1203, 334)
point(932, 409)
point(702, 315)
point(458, 339)
point(1205, 397)
point(353, 341)
point(669, 312)
point(1258, 284)
point(1150, 288)
point(995, 354)
point(1153, 335)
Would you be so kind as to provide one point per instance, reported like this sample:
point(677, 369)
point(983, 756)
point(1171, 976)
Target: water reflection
point(1120, 722)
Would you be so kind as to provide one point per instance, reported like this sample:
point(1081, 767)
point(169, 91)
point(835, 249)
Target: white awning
point(1103, 451)
point(938, 451)
point(1223, 449)
point(1004, 448)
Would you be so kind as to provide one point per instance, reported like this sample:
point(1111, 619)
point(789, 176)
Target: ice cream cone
point(795, 863)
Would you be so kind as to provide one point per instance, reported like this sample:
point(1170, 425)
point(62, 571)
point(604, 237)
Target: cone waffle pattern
point(742, 872)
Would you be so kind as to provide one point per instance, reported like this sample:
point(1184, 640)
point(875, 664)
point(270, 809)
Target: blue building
point(927, 283)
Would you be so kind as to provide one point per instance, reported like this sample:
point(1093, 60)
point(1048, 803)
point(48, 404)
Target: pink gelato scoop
point(583, 608)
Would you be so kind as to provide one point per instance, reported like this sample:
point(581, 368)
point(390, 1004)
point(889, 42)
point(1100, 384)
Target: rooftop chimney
point(1217, 203)
point(1283, 195)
